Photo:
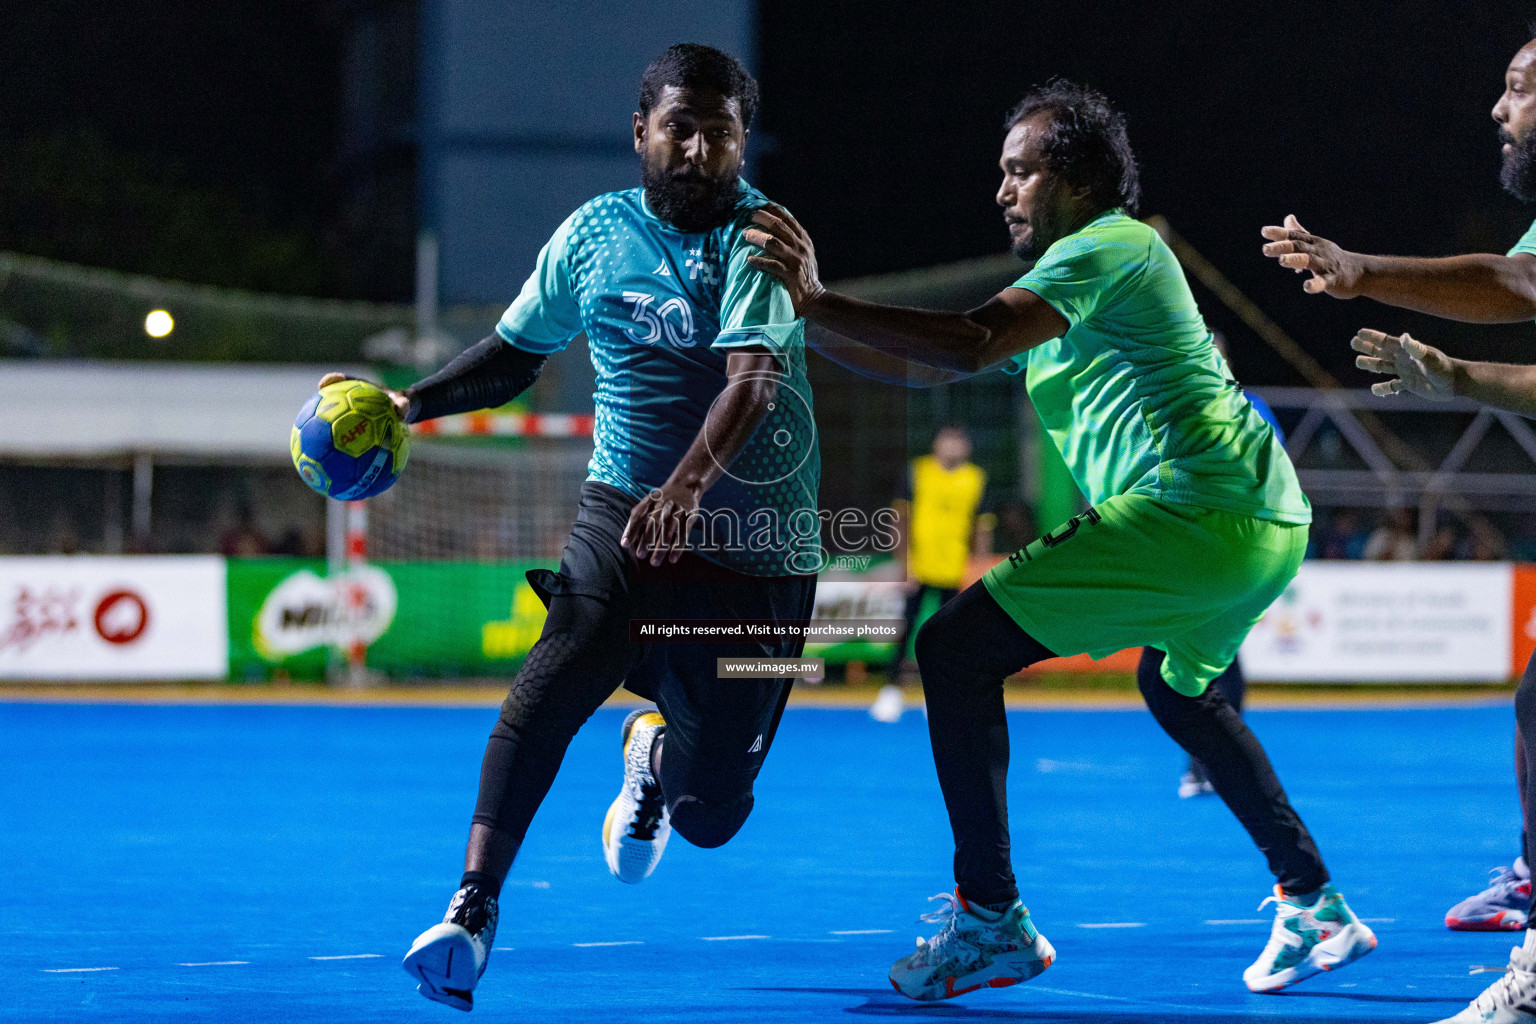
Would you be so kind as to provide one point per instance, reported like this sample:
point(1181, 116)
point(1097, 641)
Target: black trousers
point(1233, 687)
point(718, 730)
point(971, 645)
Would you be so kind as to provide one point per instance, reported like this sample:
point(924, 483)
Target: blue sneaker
point(1502, 907)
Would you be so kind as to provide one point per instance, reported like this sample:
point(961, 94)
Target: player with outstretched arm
point(1476, 288)
point(1196, 524)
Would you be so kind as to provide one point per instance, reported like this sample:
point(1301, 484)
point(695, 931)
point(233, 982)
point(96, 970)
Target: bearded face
point(687, 197)
point(1518, 173)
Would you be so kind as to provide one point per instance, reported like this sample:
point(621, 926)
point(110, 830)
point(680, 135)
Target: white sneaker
point(888, 706)
point(1511, 999)
point(637, 827)
point(449, 958)
point(971, 951)
point(1192, 785)
point(1306, 940)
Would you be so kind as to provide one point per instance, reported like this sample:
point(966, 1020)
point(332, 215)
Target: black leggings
point(718, 732)
point(971, 645)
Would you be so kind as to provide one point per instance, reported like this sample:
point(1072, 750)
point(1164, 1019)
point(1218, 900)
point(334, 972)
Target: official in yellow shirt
point(945, 523)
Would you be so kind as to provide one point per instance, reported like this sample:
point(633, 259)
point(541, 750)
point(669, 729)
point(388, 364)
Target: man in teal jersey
point(1478, 288)
point(700, 501)
point(1196, 524)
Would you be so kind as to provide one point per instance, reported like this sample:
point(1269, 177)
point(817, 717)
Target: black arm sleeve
point(487, 374)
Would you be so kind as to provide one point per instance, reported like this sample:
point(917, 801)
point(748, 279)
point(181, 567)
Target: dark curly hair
point(1086, 143)
point(695, 66)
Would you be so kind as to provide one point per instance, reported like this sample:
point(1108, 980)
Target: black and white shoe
point(636, 828)
point(449, 958)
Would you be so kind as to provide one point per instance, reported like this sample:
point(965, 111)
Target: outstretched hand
point(788, 255)
point(402, 404)
point(1334, 270)
point(1421, 369)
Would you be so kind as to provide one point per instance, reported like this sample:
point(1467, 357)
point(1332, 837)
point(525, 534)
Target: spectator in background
point(1442, 546)
point(944, 526)
point(294, 543)
point(1393, 540)
point(1484, 545)
point(1344, 537)
point(243, 539)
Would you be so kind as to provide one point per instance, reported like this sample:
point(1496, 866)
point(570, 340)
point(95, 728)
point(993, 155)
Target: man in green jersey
point(1196, 524)
point(1479, 288)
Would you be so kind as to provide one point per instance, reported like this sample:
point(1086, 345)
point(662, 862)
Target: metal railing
point(1380, 481)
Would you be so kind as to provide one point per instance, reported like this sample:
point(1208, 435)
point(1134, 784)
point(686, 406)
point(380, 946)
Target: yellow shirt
point(944, 503)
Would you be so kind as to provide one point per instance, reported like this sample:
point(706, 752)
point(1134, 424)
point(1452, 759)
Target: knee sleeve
point(708, 823)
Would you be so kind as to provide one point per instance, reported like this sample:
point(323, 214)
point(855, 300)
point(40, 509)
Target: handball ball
point(348, 442)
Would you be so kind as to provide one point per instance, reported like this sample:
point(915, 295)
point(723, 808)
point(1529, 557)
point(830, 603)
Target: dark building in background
point(492, 121)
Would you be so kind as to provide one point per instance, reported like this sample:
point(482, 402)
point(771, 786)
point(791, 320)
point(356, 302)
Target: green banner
point(417, 619)
point(448, 620)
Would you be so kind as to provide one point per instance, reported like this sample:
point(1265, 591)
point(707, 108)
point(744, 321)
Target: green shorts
point(1133, 571)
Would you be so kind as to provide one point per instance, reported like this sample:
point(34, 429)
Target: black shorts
point(718, 730)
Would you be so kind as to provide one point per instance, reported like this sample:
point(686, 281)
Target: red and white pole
point(356, 598)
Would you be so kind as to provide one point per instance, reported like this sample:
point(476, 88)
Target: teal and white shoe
point(1306, 940)
point(1511, 999)
point(636, 828)
point(972, 949)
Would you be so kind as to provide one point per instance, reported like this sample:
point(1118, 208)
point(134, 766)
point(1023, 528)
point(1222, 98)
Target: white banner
point(306, 611)
point(87, 618)
point(1387, 622)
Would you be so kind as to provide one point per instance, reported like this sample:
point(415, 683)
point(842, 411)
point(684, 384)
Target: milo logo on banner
point(306, 611)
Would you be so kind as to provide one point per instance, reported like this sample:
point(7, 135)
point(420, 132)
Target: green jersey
point(1135, 394)
point(1527, 243)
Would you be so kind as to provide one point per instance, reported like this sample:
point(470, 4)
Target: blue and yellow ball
point(348, 442)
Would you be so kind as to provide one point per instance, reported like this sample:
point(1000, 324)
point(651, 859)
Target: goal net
point(447, 548)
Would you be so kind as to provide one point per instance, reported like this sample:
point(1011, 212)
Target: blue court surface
point(274, 863)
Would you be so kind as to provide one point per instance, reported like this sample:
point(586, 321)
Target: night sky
point(880, 128)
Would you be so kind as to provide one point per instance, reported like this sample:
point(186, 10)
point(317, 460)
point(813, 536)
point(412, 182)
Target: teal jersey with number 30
point(662, 309)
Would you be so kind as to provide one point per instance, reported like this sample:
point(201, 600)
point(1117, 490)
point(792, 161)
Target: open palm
point(1419, 368)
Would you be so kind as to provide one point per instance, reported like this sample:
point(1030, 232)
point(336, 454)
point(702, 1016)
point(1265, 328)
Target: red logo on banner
point(39, 613)
point(121, 617)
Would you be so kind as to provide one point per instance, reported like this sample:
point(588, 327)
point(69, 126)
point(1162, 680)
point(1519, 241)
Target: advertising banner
point(204, 617)
point(422, 619)
point(130, 618)
point(1388, 622)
